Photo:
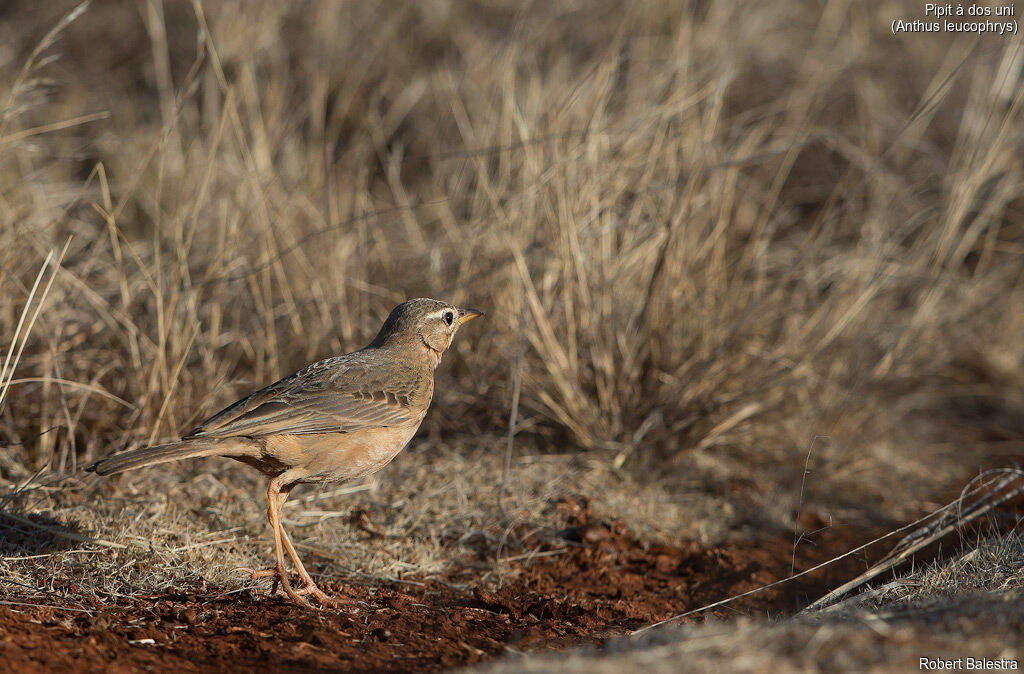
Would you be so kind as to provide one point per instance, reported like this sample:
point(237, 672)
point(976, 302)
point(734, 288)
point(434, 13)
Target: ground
point(566, 575)
point(583, 584)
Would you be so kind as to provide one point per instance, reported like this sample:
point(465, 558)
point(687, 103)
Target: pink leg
point(277, 493)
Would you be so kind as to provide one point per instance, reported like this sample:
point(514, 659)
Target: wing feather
point(337, 395)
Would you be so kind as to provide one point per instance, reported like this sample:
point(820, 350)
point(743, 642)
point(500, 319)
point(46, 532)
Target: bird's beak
point(466, 315)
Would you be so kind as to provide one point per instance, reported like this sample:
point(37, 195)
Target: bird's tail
point(184, 449)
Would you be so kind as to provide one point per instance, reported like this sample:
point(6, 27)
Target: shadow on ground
point(27, 534)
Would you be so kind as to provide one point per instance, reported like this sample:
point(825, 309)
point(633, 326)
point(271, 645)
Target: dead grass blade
point(21, 333)
point(56, 126)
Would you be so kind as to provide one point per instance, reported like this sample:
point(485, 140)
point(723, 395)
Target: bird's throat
point(433, 355)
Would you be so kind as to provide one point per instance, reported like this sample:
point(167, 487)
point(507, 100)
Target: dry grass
point(716, 242)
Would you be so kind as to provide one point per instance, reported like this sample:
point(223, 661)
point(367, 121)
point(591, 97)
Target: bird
point(338, 419)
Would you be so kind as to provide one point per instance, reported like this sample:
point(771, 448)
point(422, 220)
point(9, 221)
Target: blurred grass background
point(716, 243)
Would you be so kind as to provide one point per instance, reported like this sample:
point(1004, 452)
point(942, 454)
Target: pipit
point(338, 419)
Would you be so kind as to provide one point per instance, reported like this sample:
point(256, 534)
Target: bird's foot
point(257, 574)
point(298, 595)
point(280, 577)
point(310, 589)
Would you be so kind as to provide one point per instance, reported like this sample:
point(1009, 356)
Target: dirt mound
point(586, 583)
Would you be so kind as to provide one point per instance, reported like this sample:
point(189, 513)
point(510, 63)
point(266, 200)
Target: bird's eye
point(448, 317)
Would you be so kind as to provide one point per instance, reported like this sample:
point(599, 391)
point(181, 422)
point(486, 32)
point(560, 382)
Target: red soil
point(595, 581)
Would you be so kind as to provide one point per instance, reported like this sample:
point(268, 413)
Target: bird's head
point(424, 324)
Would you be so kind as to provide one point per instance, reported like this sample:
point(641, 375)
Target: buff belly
point(330, 457)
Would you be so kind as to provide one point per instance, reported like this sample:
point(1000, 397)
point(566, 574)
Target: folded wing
point(338, 395)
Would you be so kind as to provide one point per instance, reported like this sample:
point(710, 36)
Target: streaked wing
point(338, 395)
